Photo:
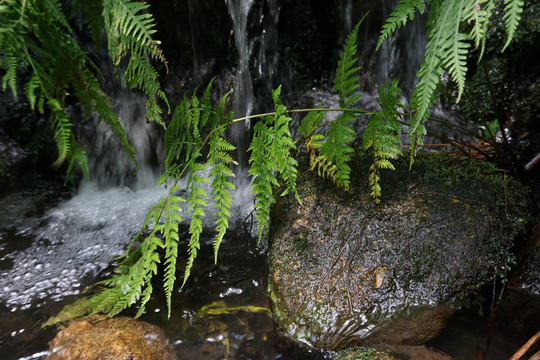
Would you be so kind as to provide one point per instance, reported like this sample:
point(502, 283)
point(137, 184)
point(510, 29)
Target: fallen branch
point(526, 347)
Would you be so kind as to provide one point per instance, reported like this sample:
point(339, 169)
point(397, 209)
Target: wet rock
point(392, 353)
point(530, 279)
point(344, 271)
point(116, 338)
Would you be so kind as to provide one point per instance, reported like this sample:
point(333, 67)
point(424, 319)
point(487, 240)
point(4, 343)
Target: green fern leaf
point(439, 38)
point(512, 16)
point(62, 131)
point(382, 134)
point(172, 219)
point(263, 178)
point(344, 82)
point(30, 90)
point(197, 204)
point(403, 12)
point(220, 160)
point(311, 122)
point(10, 63)
point(456, 61)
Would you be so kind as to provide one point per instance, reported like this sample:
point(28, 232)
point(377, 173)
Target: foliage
point(382, 135)
point(36, 39)
point(270, 151)
point(198, 150)
point(340, 132)
point(447, 46)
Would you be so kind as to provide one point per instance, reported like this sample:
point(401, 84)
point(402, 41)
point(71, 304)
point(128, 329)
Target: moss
point(362, 353)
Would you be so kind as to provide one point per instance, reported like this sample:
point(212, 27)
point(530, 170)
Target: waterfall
point(243, 98)
point(108, 163)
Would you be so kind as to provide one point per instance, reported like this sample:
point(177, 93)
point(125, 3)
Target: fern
point(197, 204)
point(403, 12)
point(345, 81)
point(313, 144)
point(172, 219)
point(220, 160)
point(270, 151)
point(512, 16)
point(340, 133)
point(382, 135)
point(62, 131)
point(129, 33)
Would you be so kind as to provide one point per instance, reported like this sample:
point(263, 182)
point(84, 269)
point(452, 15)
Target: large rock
point(344, 271)
point(96, 338)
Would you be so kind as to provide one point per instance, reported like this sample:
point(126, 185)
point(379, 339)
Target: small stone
point(99, 338)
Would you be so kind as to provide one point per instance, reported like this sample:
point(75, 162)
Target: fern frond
point(129, 30)
point(337, 150)
point(282, 145)
point(512, 16)
point(261, 168)
point(455, 58)
point(10, 63)
point(62, 131)
point(311, 122)
point(477, 13)
point(30, 89)
point(431, 69)
point(172, 219)
point(344, 82)
point(403, 12)
point(220, 160)
point(382, 134)
point(197, 204)
point(77, 156)
point(270, 151)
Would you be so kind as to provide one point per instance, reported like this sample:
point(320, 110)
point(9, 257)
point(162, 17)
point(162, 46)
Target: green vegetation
point(36, 38)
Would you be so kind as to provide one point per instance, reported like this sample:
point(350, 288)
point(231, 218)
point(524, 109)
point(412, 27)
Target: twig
point(526, 347)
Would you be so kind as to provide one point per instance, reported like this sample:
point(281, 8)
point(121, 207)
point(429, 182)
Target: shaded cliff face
point(344, 271)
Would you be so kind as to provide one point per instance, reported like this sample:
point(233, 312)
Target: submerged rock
point(97, 338)
point(345, 271)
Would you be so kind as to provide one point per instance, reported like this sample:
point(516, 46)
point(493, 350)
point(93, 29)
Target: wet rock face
point(117, 338)
point(530, 279)
point(344, 271)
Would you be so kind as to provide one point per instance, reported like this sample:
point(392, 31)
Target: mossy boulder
point(345, 271)
point(97, 338)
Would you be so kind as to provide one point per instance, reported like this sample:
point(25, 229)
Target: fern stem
point(362, 112)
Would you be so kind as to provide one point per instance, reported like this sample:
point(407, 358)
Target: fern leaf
point(344, 82)
point(172, 219)
point(197, 204)
point(512, 16)
point(403, 12)
point(282, 145)
point(62, 131)
point(220, 160)
point(311, 122)
point(10, 63)
point(263, 177)
point(475, 13)
point(382, 134)
point(30, 90)
point(439, 36)
point(456, 59)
